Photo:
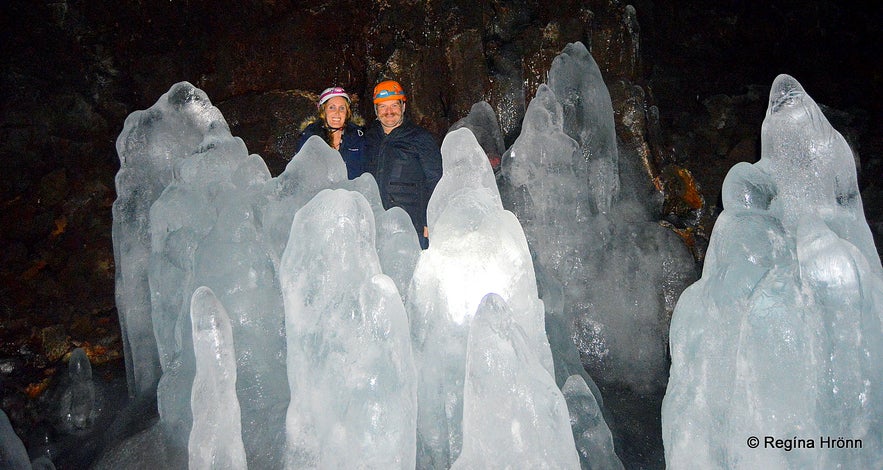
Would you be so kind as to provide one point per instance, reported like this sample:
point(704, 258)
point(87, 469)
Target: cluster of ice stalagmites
point(350, 344)
point(607, 264)
point(779, 344)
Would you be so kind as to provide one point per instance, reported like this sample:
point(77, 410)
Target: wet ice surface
point(349, 361)
point(609, 270)
point(309, 246)
point(215, 440)
point(781, 337)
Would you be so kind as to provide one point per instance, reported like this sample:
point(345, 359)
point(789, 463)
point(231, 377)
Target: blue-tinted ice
point(781, 337)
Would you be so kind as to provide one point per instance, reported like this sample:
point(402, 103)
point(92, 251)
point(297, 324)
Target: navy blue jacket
point(352, 146)
point(407, 165)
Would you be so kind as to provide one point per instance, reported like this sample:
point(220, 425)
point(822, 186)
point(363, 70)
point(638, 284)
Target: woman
point(338, 127)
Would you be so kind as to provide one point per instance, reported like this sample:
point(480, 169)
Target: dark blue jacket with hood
point(407, 165)
point(352, 146)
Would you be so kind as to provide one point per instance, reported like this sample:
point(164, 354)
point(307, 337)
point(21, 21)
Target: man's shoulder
point(414, 130)
point(374, 131)
point(425, 138)
point(408, 131)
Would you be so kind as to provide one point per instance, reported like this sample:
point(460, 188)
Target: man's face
point(389, 113)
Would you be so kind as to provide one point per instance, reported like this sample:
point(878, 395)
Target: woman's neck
point(336, 136)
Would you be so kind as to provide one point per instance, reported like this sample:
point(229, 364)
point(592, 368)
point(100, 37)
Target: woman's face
point(335, 112)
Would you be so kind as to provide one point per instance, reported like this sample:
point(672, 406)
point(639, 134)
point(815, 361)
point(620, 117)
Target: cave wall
point(73, 70)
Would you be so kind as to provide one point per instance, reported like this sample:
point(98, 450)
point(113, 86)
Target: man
point(403, 157)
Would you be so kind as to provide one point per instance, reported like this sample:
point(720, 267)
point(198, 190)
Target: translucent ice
point(587, 117)
point(594, 443)
point(397, 246)
point(350, 367)
point(609, 267)
point(781, 338)
point(222, 222)
point(151, 142)
point(482, 121)
point(216, 437)
point(316, 167)
point(477, 247)
point(514, 416)
point(309, 269)
point(78, 406)
point(207, 230)
point(13, 454)
point(812, 166)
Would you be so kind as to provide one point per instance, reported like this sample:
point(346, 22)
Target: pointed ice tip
point(785, 92)
point(576, 48)
point(204, 308)
point(78, 365)
point(182, 93)
point(493, 301)
point(494, 313)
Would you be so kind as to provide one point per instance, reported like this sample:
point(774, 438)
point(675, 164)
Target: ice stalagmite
point(482, 121)
point(349, 361)
point(776, 351)
point(216, 436)
point(309, 269)
point(514, 416)
point(78, 406)
point(592, 436)
point(476, 247)
point(207, 230)
point(13, 454)
point(604, 261)
point(813, 168)
point(151, 143)
point(197, 210)
point(587, 117)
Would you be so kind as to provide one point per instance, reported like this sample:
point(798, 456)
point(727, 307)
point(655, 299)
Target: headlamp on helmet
point(388, 90)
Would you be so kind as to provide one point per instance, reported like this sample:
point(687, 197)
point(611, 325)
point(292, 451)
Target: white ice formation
point(606, 267)
point(776, 350)
point(339, 324)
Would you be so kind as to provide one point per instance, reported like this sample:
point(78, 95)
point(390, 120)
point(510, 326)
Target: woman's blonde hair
point(320, 117)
